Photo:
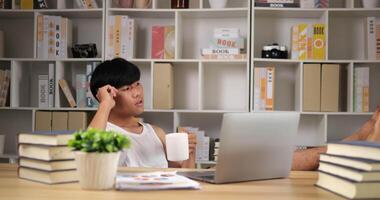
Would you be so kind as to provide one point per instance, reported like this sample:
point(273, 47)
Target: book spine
point(228, 43)
point(131, 38)
point(302, 41)
point(64, 34)
point(295, 33)
point(89, 97)
point(43, 85)
point(277, 5)
point(26, 4)
point(66, 91)
point(319, 41)
point(40, 36)
point(110, 37)
point(370, 38)
point(309, 45)
point(57, 44)
point(158, 42)
point(51, 37)
point(4, 89)
point(51, 85)
point(124, 37)
point(263, 88)
point(225, 56)
point(378, 39)
point(46, 37)
point(256, 90)
point(168, 48)
point(269, 100)
point(220, 51)
point(117, 38)
point(81, 90)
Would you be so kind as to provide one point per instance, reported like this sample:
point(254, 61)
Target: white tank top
point(146, 149)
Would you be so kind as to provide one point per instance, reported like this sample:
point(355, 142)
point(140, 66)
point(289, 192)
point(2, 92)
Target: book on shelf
point(45, 152)
point(43, 91)
point(361, 89)
point(121, 37)
point(54, 36)
point(48, 177)
point(349, 172)
point(356, 149)
point(90, 99)
point(314, 3)
point(228, 43)
point(51, 81)
point(47, 165)
point(80, 86)
point(4, 87)
point(226, 33)
point(224, 57)
point(77, 121)
point(348, 188)
point(45, 138)
point(67, 92)
point(264, 80)
point(370, 38)
point(86, 4)
point(42, 121)
point(154, 181)
point(163, 88)
point(330, 85)
point(59, 121)
point(220, 51)
point(356, 163)
point(378, 39)
point(308, 41)
point(26, 4)
point(311, 99)
point(163, 38)
point(277, 3)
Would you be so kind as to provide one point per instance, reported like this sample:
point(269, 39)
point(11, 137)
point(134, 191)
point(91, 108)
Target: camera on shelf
point(274, 51)
point(84, 50)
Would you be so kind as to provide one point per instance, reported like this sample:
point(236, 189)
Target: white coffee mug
point(370, 3)
point(217, 4)
point(177, 146)
point(2, 144)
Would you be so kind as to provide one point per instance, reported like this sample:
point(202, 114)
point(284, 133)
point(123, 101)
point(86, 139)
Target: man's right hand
point(106, 96)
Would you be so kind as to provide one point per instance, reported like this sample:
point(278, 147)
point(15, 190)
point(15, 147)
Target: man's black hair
point(116, 72)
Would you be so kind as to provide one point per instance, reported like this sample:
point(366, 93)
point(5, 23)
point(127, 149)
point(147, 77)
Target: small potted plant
point(97, 155)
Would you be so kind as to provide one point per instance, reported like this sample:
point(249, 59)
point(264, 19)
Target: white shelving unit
point(204, 89)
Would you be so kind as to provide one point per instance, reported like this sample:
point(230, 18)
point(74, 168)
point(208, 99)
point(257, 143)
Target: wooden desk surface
point(300, 185)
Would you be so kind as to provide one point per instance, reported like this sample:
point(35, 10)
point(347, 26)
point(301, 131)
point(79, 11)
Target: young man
point(309, 159)
point(116, 85)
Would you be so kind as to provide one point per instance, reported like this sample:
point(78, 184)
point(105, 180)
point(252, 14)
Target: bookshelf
point(205, 89)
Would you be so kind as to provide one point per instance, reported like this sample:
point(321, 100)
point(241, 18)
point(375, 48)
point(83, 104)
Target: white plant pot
point(370, 3)
point(97, 171)
point(217, 4)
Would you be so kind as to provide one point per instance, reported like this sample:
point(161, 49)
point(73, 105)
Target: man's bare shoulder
point(159, 131)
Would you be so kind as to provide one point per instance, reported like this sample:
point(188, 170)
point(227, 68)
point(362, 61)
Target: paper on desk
point(154, 181)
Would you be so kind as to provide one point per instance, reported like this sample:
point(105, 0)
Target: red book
point(158, 42)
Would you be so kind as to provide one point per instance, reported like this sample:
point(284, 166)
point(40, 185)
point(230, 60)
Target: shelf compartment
point(339, 127)
point(18, 44)
point(224, 86)
point(311, 131)
point(211, 123)
point(347, 37)
point(274, 26)
point(287, 86)
point(196, 29)
point(164, 120)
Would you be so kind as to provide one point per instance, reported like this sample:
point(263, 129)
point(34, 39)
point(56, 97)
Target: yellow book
point(319, 41)
point(26, 4)
point(294, 51)
point(169, 42)
point(117, 36)
point(269, 100)
point(302, 41)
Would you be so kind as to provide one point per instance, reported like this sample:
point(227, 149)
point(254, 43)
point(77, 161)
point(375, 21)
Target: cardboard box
point(330, 88)
point(163, 86)
point(43, 121)
point(59, 121)
point(77, 121)
point(311, 88)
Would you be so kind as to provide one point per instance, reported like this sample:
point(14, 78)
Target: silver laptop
point(253, 146)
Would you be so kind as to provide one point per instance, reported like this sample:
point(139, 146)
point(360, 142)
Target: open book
point(154, 181)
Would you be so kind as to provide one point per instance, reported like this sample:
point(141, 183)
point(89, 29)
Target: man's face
point(130, 99)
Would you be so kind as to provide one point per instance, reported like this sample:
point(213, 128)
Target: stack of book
point(264, 78)
point(46, 158)
point(54, 36)
point(226, 44)
point(361, 89)
point(121, 37)
point(308, 42)
point(351, 169)
point(202, 148)
point(4, 86)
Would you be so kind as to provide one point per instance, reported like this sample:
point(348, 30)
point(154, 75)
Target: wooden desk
point(298, 186)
